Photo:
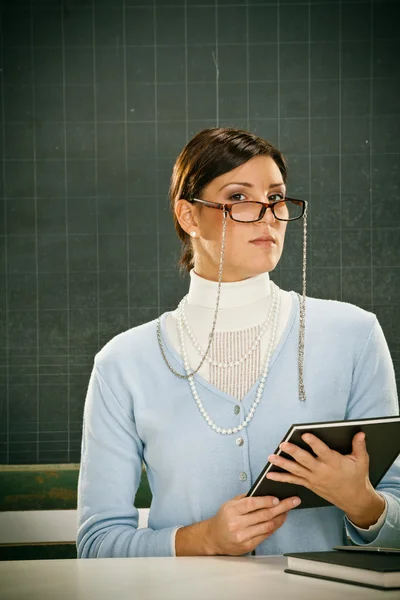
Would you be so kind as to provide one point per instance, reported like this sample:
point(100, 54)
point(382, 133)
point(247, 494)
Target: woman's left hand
point(341, 479)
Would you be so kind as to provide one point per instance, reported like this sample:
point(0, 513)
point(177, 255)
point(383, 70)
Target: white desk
point(219, 578)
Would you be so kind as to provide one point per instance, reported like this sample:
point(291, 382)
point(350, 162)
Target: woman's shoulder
point(130, 345)
point(338, 315)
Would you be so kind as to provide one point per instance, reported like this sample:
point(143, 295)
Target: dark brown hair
point(209, 154)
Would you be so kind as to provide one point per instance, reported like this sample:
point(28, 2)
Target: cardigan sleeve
point(373, 394)
point(110, 473)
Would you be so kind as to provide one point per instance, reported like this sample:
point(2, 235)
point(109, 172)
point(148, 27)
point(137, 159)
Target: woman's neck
point(203, 292)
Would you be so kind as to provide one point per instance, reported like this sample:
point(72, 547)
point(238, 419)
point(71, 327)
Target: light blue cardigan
point(137, 410)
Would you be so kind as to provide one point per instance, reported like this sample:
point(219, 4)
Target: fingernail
point(275, 501)
point(296, 501)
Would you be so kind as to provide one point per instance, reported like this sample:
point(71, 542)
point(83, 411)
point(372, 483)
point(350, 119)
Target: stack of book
point(377, 568)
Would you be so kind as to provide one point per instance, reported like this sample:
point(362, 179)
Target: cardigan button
point(239, 441)
point(242, 476)
point(237, 409)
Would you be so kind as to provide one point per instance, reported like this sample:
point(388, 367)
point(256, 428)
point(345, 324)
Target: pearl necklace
point(256, 343)
point(260, 389)
point(211, 336)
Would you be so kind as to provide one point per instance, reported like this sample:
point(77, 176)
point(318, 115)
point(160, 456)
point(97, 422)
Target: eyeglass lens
point(250, 211)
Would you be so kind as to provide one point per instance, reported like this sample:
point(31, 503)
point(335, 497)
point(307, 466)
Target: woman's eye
point(237, 197)
point(276, 198)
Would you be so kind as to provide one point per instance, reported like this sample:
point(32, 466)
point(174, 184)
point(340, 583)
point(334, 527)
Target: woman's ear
point(186, 214)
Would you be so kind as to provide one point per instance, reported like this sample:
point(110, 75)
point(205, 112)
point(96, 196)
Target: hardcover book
point(379, 570)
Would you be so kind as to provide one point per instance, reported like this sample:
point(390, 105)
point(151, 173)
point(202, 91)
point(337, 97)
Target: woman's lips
point(264, 241)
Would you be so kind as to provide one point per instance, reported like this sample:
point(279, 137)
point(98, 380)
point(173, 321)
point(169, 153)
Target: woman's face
point(246, 252)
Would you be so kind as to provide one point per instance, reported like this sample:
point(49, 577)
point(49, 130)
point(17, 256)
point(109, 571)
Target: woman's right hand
point(243, 523)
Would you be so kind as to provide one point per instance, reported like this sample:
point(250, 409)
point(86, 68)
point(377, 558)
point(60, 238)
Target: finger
point(265, 529)
point(253, 503)
point(304, 458)
point(287, 478)
point(239, 497)
point(266, 514)
point(319, 447)
point(259, 516)
point(289, 465)
point(286, 505)
point(359, 446)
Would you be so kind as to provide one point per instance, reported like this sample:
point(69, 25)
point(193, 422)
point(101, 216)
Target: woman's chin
point(266, 262)
point(262, 264)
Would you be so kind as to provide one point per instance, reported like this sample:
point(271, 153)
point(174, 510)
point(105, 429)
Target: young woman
point(204, 394)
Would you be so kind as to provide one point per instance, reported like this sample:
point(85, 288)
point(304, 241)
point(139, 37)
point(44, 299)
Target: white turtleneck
point(244, 306)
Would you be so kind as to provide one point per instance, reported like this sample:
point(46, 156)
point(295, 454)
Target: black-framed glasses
point(247, 211)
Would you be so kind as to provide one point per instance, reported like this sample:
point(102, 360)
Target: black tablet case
point(383, 446)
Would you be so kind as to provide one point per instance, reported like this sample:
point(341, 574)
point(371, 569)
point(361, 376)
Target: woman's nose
point(268, 216)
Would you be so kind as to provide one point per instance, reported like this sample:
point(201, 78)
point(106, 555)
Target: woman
point(203, 395)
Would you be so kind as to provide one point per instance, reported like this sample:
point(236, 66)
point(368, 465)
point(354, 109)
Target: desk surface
point(204, 578)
